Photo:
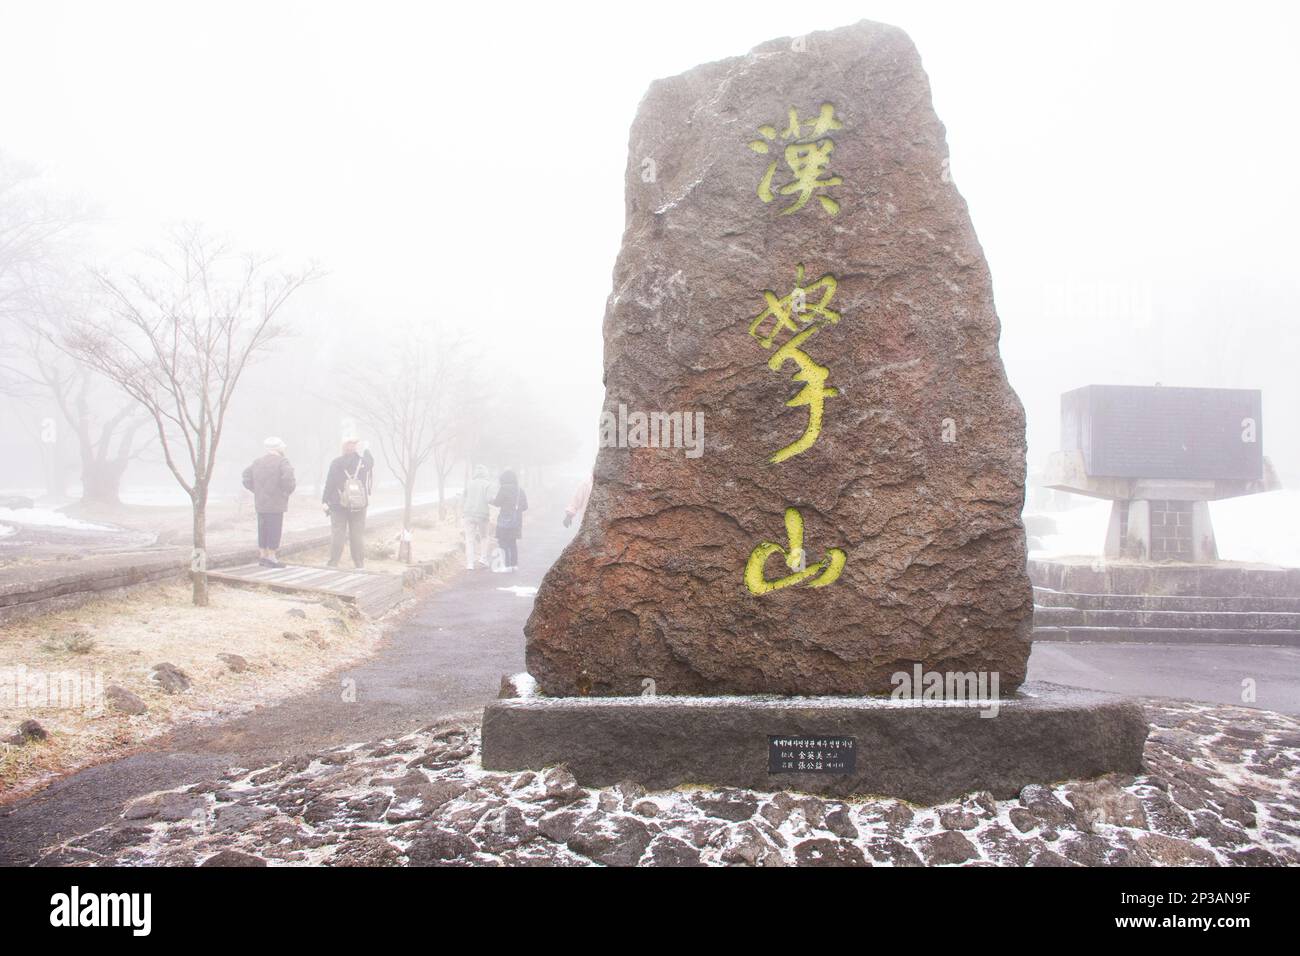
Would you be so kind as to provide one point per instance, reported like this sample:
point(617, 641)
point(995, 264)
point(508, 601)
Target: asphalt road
point(446, 656)
point(1209, 672)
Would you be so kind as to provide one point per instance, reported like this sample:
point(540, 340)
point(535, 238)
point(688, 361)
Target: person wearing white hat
point(271, 480)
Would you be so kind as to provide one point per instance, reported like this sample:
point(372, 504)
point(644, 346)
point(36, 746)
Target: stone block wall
point(1171, 530)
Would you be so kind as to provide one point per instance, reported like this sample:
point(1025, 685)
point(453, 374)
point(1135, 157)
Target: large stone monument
point(799, 285)
point(800, 268)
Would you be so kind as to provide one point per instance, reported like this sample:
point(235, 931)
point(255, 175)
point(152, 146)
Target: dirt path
point(446, 656)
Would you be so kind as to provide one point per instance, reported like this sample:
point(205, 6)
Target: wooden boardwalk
point(372, 592)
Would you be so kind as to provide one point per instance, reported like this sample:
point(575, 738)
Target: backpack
point(353, 496)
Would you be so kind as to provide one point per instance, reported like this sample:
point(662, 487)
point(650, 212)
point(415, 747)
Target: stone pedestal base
point(925, 753)
point(1161, 530)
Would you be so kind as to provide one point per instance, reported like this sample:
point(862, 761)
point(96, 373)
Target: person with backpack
point(346, 497)
point(512, 502)
point(270, 479)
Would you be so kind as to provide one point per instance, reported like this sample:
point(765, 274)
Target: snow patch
point(1258, 529)
point(525, 684)
point(520, 590)
point(45, 518)
point(1079, 531)
point(1262, 528)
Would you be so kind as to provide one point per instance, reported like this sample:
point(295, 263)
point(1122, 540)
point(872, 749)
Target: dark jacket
point(271, 481)
point(513, 503)
point(342, 467)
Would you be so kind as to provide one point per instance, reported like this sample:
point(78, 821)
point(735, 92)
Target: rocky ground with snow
point(102, 678)
point(1220, 788)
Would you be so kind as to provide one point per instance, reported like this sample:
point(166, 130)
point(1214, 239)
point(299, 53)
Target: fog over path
point(446, 656)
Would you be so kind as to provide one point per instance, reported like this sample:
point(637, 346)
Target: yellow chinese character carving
point(806, 154)
point(789, 313)
point(783, 311)
point(813, 394)
point(817, 576)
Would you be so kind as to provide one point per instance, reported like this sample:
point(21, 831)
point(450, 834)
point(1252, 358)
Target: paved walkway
point(447, 656)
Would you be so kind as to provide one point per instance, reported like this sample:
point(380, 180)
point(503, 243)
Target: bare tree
point(38, 286)
point(177, 342)
point(107, 442)
point(105, 429)
point(409, 401)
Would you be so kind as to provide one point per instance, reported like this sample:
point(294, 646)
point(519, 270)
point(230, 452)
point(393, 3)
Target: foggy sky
point(1129, 173)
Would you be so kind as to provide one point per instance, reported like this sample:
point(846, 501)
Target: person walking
point(512, 502)
point(478, 495)
point(578, 503)
point(270, 479)
point(346, 497)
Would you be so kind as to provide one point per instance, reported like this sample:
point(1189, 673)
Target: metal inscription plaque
point(801, 754)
